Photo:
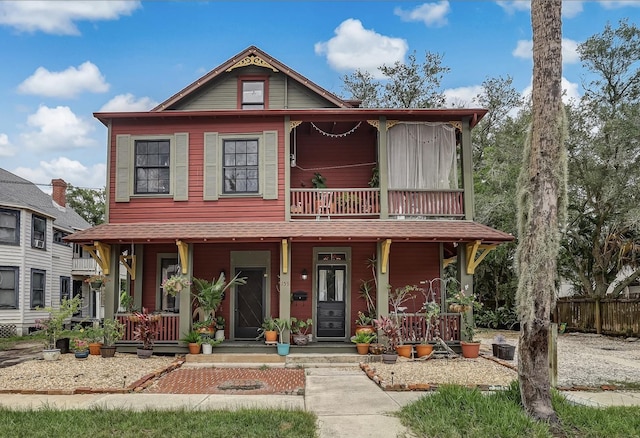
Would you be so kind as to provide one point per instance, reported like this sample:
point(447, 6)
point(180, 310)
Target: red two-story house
point(255, 169)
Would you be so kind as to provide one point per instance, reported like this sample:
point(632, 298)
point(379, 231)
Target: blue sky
point(63, 60)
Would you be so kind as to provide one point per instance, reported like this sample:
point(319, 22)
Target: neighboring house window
point(240, 171)
point(37, 288)
point(38, 232)
point(169, 267)
point(8, 287)
point(9, 226)
point(253, 94)
point(58, 236)
point(65, 288)
point(152, 168)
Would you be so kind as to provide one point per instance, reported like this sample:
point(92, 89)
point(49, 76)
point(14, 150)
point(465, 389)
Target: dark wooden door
point(250, 299)
point(331, 301)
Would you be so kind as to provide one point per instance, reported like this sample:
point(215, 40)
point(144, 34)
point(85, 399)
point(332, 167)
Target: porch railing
point(335, 202)
point(80, 266)
point(169, 328)
point(413, 327)
point(416, 203)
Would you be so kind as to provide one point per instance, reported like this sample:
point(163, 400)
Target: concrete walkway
point(347, 402)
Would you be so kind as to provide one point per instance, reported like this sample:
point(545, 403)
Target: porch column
point(383, 171)
point(111, 289)
point(137, 284)
point(466, 282)
point(382, 292)
point(284, 310)
point(185, 298)
point(287, 168)
point(467, 170)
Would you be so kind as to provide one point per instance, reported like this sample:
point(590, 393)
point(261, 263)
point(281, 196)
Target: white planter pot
point(219, 336)
point(207, 348)
point(53, 354)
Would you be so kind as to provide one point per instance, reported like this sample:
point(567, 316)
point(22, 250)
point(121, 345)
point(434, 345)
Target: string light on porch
point(328, 134)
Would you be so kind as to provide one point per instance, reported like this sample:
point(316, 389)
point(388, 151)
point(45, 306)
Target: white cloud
point(570, 9)
point(612, 4)
point(60, 17)
point(71, 171)
point(56, 129)
point(354, 47)
point(67, 83)
point(570, 91)
point(128, 102)
point(6, 149)
point(462, 97)
point(524, 49)
point(432, 14)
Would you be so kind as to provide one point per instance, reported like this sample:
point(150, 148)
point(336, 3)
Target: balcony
point(365, 203)
point(83, 266)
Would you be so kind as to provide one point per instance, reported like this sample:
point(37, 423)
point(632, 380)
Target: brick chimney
point(59, 192)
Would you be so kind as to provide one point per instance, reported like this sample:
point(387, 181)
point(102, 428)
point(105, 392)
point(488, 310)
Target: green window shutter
point(270, 189)
point(210, 177)
point(181, 168)
point(123, 167)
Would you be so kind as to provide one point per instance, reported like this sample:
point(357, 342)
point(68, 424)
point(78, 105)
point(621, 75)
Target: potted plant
point(362, 341)
point(145, 329)
point(465, 303)
point(391, 331)
point(431, 310)
point(208, 344)
point(96, 281)
point(268, 330)
point(220, 322)
point(175, 284)
point(193, 339)
point(53, 327)
point(282, 325)
point(112, 332)
point(126, 301)
point(206, 327)
point(300, 330)
point(209, 294)
point(80, 348)
point(397, 298)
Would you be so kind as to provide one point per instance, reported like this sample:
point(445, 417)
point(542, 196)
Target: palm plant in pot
point(209, 294)
point(282, 324)
point(146, 329)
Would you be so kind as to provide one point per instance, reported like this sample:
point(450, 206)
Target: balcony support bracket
point(101, 253)
point(476, 252)
point(183, 253)
point(386, 248)
point(129, 262)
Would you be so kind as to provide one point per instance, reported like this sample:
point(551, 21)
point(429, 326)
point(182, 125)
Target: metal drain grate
point(241, 385)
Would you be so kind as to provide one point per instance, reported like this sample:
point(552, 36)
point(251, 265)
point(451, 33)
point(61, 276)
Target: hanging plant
point(175, 284)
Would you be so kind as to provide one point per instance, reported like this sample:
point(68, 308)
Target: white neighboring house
point(37, 267)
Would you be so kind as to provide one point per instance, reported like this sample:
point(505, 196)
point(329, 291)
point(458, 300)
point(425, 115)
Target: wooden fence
point(615, 316)
point(413, 327)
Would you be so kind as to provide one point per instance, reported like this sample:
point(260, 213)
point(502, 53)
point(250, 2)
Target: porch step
point(234, 358)
point(306, 360)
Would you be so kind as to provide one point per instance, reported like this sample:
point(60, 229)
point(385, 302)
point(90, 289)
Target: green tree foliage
point(405, 85)
point(88, 203)
point(603, 234)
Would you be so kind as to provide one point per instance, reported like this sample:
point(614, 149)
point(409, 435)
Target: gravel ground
point(71, 373)
point(584, 360)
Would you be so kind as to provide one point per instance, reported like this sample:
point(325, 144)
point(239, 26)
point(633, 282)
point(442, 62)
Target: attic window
point(253, 95)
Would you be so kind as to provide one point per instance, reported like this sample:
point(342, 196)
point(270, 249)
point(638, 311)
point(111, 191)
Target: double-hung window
point(152, 166)
point(65, 288)
point(38, 278)
point(9, 226)
point(241, 164)
point(38, 232)
point(8, 287)
point(253, 94)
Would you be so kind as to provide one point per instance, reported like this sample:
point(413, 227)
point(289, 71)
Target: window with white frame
point(252, 94)
point(38, 282)
point(9, 226)
point(38, 232)
point(152, 166)
point(8, 287)
point(241, 165)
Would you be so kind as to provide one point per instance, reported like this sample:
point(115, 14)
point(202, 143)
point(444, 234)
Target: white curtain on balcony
point(422, 155)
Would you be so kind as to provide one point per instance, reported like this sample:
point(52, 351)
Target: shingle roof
point(303, 230)
point(19, 193)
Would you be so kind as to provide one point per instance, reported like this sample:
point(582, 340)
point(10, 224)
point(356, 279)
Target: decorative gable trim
point(252, 60)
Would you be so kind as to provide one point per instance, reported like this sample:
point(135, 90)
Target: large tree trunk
point(541, 193)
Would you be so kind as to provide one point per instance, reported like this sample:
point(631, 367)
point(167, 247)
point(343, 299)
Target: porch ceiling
point(309, 231)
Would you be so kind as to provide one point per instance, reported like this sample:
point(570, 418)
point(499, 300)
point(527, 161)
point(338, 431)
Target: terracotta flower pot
point(94, 348)
point(194, 348)
point(470, 350)
point(270, 336)
point(404, 350)
point(362, 348)
point(368, 329)
point(424, 350)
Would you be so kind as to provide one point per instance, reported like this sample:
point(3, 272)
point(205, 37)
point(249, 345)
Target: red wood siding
point(360, 271)
point(165, 209)
point(411, 263)
point(150, 287)
point(315, 150)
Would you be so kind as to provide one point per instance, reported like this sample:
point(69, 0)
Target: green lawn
point(98, 423)
point(456, 411)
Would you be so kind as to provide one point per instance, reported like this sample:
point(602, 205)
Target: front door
point(250, 301)
point(331, 287)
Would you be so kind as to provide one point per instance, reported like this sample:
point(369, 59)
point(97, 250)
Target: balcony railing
point(413, 327)
point(169, 327)
point(365, 203)
point(335, 202)
point(83, 266)
point(416, 203)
